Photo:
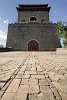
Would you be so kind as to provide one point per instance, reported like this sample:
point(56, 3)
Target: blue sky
point(8, 13)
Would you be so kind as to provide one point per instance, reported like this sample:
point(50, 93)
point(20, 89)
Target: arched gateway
point(33, 45)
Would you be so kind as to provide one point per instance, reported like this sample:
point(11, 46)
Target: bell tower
point(33, 13)
point(33, 30)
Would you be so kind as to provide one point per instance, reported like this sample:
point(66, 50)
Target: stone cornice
point(41, 7)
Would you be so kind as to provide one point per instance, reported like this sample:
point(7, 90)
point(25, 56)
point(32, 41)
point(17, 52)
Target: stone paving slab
point(33, 76)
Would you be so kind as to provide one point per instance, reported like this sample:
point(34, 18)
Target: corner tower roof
point(33, 7)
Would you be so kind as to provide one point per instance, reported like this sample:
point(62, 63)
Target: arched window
point(33, 19)
point(23, 20)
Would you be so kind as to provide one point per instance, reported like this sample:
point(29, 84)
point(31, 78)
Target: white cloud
point(5, 21)
point(1, 32)
point(0, 18)
point(3, 37)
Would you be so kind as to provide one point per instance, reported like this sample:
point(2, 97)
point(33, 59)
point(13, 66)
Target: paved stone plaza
point(33, 76)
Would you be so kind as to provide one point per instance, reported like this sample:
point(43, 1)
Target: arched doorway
point(33, 45)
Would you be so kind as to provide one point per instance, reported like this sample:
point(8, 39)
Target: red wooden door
point(33, 46)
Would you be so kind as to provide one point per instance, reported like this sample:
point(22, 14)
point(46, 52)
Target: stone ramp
point(33, 76)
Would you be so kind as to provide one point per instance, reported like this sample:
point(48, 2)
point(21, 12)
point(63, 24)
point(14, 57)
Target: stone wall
point(38, 14)
point(20, 34)
point(61, 50)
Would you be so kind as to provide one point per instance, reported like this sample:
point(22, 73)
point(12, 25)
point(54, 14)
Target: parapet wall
point(61, 49)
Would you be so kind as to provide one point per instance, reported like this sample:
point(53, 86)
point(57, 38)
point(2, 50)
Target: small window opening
point(33, 19)
point(42, 20)
point(23, 20)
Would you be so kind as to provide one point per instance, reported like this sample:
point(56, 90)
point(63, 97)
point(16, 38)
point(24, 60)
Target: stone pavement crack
point(55, 92)
point(27, 97)
point(7, 84)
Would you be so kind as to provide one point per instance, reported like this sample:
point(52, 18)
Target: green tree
point(1, 46)
point(62, 31)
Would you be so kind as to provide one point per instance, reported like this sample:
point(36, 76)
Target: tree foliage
point(62, 31)
point(1, 46)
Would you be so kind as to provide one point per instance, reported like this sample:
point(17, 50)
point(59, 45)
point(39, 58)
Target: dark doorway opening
point(33, 45)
